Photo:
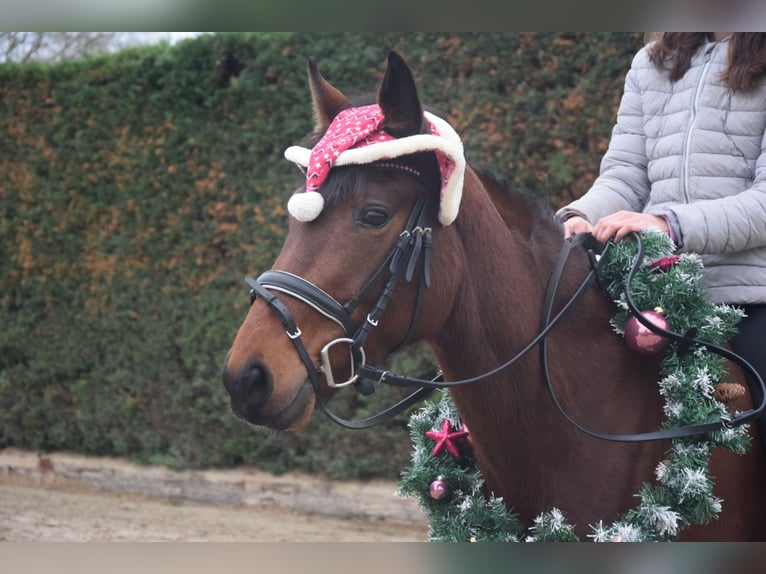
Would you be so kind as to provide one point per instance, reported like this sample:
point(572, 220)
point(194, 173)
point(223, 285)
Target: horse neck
point(498, 311)
point(504, 269)
point(517, 431)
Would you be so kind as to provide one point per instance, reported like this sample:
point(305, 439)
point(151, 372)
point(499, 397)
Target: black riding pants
point(750, 343)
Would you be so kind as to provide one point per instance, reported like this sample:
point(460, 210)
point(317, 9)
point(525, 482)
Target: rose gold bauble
point(640, 339)
point(439, 489)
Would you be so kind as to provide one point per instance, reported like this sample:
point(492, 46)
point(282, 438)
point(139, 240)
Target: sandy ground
point(64, 497)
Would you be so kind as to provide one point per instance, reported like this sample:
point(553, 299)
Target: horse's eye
point(373, 217)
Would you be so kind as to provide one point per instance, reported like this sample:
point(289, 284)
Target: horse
point(476, 303)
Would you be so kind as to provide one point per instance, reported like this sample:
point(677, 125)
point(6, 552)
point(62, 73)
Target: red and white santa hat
point(356, 137)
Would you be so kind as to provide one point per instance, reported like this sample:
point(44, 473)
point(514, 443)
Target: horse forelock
point(351, 181)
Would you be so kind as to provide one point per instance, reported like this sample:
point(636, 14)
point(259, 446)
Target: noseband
point(412, 249)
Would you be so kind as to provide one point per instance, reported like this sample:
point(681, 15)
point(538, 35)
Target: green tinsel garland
point(684, 494)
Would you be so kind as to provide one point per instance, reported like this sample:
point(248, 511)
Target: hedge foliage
point(137, 189)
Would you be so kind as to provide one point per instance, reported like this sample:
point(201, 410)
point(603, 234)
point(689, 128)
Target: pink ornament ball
point(643, 341)
point(439, 489)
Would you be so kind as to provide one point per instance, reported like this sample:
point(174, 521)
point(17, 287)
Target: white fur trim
point(305, 206)
point(447, 142)
point(452, 193)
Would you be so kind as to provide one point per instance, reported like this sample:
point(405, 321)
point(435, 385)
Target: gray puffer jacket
point(694, 152)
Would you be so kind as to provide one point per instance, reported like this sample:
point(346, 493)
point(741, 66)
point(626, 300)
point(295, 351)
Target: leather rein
point(413, 248)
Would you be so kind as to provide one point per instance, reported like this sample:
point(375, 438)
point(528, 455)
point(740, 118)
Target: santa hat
point(356, 137)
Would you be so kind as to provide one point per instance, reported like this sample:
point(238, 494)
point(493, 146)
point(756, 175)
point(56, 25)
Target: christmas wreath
point(447, 484)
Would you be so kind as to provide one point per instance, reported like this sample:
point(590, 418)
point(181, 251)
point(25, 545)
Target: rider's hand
point(619, 224)
point(576, 224)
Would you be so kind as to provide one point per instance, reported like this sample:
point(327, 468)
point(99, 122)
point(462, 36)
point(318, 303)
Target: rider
point(688, 156)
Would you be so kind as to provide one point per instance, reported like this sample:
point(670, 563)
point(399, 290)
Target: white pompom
point(305, 206)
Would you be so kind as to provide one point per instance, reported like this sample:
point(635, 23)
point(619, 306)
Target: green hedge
point(137, 189)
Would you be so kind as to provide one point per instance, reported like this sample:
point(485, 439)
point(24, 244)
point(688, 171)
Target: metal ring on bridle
point(325, 366)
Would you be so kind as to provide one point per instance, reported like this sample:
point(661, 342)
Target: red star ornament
point(665, 264)
point(446, 437)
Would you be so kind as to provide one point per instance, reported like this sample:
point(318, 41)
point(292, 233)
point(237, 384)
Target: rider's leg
point(750, 343)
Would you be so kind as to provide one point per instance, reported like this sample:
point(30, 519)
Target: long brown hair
point(673, 52)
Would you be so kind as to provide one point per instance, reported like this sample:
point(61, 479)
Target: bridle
point(413, 249)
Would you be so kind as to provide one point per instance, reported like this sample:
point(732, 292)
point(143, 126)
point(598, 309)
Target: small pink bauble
point(439, 489)
point(640, 339)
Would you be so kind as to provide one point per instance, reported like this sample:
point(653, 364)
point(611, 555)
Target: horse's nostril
point(250, 385)
point(254, 382)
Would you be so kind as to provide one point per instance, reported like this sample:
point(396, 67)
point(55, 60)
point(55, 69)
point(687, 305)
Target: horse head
point(380, 177)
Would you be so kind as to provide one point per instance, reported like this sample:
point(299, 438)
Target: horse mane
point(521, 210)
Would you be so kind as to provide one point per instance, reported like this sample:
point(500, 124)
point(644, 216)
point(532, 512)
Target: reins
point(687, 340)
point(547, 326)
point(403, 381)
point(414, 244)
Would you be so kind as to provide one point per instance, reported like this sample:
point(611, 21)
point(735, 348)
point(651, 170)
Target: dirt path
point(64, 497)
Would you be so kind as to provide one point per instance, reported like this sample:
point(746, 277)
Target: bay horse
point(476, 303)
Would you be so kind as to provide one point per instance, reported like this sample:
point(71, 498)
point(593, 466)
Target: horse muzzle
point(251, 393)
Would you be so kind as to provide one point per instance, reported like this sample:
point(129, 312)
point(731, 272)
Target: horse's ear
point(398, 99)
point(327, 100)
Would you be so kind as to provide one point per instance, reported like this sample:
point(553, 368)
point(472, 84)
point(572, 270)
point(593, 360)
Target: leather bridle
point(413, 249)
